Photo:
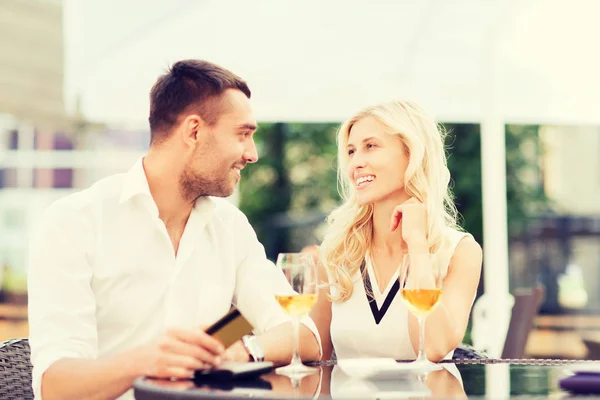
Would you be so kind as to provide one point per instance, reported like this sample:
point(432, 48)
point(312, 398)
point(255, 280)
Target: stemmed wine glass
point(421, 290)
point(301, 272)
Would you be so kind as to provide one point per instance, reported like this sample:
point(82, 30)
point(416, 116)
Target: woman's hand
point(413, 216)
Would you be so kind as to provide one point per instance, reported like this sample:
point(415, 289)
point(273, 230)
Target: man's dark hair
point(189, 85)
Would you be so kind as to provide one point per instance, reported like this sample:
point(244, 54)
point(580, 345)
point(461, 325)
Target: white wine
point(297, 305)
point(421, 301)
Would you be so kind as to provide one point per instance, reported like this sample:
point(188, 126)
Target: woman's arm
point(445, 327)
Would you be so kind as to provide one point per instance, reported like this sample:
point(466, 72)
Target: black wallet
point(238, 385)
point(231, 370)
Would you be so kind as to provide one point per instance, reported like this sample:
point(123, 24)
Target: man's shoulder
point(225, 210)
point(224, 206)
point(106, 189)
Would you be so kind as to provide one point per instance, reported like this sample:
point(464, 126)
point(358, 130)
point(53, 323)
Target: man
point(123, 275)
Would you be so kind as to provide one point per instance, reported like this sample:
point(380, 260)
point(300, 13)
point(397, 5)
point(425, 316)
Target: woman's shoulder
point(468, 247)
point(456, 235)
point(455, 238)
point(464, 245)
point(458, 244)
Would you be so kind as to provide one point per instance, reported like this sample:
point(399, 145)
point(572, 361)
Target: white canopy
point(319, 61)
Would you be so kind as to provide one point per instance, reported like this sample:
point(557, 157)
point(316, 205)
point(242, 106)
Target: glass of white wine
point(301, 272)
point(421, 290)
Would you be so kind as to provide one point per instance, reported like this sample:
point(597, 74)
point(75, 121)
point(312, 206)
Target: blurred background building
point(32, 116)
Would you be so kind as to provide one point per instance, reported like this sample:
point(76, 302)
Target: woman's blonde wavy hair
point(350, 226)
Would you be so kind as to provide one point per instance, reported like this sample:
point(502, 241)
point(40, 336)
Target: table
point(472, 378)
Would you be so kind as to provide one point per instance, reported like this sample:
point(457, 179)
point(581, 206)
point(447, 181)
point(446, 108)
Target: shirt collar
point(136, 184)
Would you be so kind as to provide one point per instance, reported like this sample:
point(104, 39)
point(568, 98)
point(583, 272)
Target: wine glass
point(301, 272)
point(421, 290)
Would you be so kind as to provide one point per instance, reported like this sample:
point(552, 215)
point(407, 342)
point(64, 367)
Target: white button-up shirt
point(103, 276)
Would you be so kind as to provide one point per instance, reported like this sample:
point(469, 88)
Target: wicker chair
point(15, 370)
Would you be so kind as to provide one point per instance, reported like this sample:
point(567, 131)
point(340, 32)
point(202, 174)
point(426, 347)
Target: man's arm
point(72, 378)
point(321, 313)
point(62, 323)
point(175, 355)
point(278, 345)
point(257, 283)
point(62, 306)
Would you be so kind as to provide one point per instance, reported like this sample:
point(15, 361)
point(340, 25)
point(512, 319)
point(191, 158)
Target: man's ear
point(190, 129)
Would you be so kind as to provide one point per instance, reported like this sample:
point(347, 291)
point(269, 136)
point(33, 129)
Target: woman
point(394, 179)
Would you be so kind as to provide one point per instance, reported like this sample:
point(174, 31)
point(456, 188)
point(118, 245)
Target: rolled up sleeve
point(62, 307)
point(257, 282)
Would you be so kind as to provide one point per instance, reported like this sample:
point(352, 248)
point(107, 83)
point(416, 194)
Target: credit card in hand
point(231, 328)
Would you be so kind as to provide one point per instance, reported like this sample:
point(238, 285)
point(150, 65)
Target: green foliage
point(464, 162)
point(524, 188)
point(296, 178)
point(524, 192)
point(13, 281)
point(311, 160)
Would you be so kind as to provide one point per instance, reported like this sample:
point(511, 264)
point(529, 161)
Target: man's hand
point(178, 353)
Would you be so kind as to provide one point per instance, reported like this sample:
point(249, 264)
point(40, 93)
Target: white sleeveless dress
point(357, 331)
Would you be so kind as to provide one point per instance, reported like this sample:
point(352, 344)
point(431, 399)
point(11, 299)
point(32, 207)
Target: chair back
point(15, 370)
point(527, 304)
